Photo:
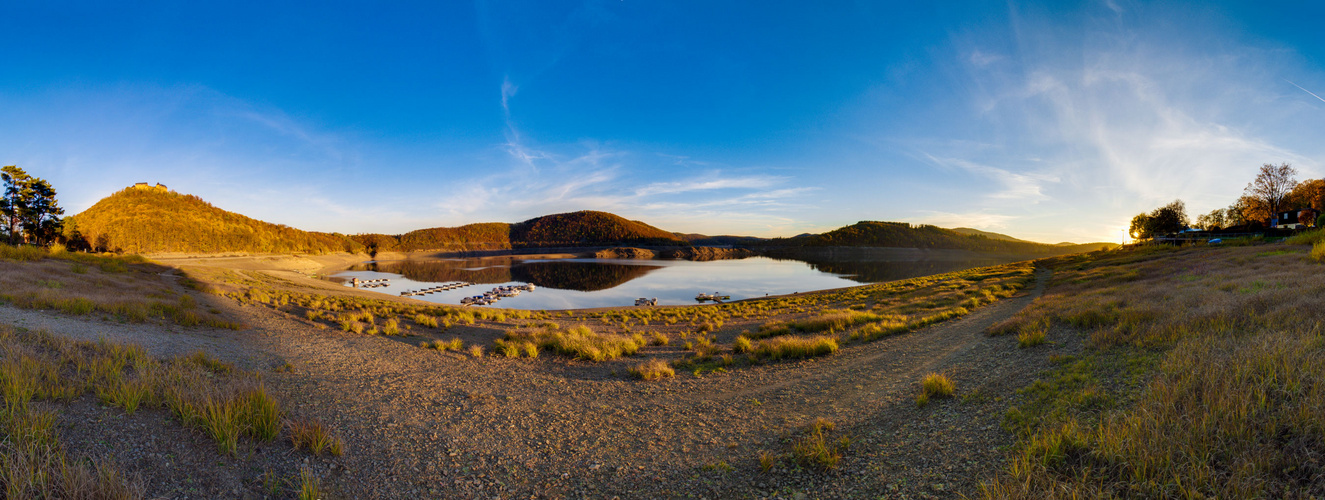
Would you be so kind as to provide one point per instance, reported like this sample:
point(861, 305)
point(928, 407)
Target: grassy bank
point(750, 331)
point(1201, 377)
point(41, 374)
point(126, 288)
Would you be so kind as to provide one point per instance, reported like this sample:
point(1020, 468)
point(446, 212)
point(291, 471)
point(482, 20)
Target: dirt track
point(419, 423)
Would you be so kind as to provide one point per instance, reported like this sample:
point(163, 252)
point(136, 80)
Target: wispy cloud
point(658, 187)
point(1024, 188)
point(1100, 118)
point(508, 91)
point(706, 184)
point(979, 220)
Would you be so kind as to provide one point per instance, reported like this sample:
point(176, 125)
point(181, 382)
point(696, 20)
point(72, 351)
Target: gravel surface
point(421, 423)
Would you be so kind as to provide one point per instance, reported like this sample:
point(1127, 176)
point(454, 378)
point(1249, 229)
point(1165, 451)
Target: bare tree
point(1272, 186)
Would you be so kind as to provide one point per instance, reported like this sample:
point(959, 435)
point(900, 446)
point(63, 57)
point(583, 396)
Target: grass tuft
point(815, 448)
point(934, 385)
point(314, 436)
point(795, 347)
point(653, 369)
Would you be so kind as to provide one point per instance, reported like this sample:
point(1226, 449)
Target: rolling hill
point(976, 232)
point(906, 235)
point(583, 228)
point(154, 220)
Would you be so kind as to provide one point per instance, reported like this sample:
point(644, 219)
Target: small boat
point(646, 302)
point(715, 296)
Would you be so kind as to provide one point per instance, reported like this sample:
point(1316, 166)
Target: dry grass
point(308, 487)
point(579, 342)
point(313, 435)
point(653, 369)
point(794, 347)
point(223, 403)
point(934, 385)
point(1201, 378)
point(1032, 334)
point(814, 448)
point(127, 288)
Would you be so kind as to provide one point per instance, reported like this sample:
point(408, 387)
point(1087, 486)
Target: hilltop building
point(143, 185)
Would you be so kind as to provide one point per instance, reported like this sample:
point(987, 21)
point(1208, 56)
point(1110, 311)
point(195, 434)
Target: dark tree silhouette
point(1167, 219)
point(29, 209)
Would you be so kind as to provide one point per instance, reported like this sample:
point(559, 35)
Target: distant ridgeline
point(583, 228)
point(905, 235)
point(152, 219)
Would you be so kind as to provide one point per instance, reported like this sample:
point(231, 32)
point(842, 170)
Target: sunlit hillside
point(158, 221)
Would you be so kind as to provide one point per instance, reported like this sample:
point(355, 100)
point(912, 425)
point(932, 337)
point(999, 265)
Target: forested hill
point(153, 220)
point(583, 228)
point(905, 235)
point(588, 227)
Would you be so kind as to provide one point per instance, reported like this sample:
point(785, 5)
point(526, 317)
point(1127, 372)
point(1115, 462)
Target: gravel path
point(419, 423)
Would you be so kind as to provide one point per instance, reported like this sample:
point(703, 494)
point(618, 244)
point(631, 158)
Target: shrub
point(1318, 251)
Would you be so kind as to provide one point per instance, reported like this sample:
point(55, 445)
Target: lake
point(576, 283)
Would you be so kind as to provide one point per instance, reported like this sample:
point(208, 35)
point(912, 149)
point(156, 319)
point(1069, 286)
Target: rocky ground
point(426, 424)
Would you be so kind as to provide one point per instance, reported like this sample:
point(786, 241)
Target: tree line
point(1275, 190)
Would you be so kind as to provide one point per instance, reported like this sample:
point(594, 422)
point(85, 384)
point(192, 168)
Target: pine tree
point(28, 210)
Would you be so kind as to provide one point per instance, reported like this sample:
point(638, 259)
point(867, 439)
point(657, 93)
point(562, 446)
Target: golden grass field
point(1202, 377)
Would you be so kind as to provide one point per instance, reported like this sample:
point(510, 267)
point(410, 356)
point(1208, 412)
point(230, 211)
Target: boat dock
point(435, 289)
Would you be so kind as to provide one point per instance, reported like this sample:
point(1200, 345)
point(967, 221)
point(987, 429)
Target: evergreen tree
point(28, 210)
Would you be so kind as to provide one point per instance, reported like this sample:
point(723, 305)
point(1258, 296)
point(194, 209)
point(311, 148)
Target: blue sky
point(1050, 121)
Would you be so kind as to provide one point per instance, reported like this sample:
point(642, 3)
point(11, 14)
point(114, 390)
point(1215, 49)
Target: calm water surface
point(585, 283)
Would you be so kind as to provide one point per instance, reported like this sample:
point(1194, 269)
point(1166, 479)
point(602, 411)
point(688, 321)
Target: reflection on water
point(585, 276)
point(877, 265)
point(582, 276)
point(585, 283)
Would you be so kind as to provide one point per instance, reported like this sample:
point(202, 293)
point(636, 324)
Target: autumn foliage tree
point(1268, 194)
